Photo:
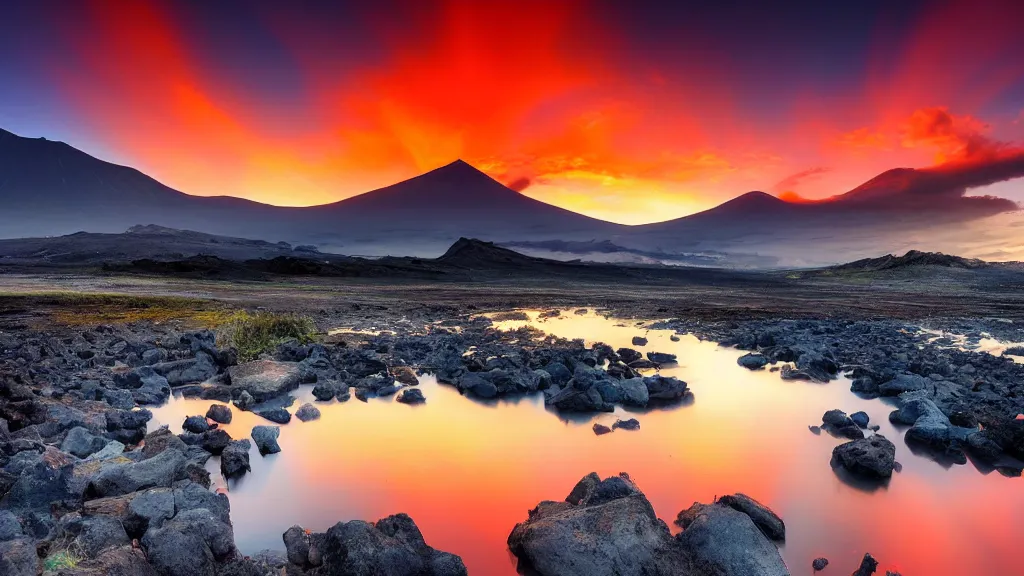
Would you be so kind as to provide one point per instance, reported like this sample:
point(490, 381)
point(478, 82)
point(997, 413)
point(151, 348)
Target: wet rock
point(661, 358)
point(816, 430)
point(665, 388)
point(219, 413)
point(639, 341)
point(674, 338)
point(860, 419)
point(265, 379)
point(931, 429)
point(307, 412)
point(604, 527)
point(819, 564)
point(903, 383)
point(631, 392)
point(752, 361)
point(763, 517)
point(245, 401)
point(195, 424)
point(390, 546)
point(867, 566)
point(324, 391)
point(870, 458)
point(628, 355)
point(601, 429)
point(838, 424)
point(266, 439)
point(297, 544)
point(82, 443)
point(190, 544)
point(630, 424)
point(188, 371)
point(722, 540)
point(215, 441)
point(411, 396)
point(278, 415)
point(364, 394)
point(571, 399)
point(820, 367)
point(234, 460)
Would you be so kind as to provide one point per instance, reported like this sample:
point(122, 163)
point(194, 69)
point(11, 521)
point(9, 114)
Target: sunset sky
point(627, 111)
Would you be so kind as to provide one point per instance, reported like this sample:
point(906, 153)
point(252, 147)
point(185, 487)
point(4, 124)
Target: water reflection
point(467, 471)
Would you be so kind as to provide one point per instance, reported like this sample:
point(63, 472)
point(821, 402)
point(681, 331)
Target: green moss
point(254, 334)
point(61, 560)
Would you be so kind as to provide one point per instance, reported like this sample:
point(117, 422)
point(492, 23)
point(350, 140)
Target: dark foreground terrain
point(87, 489)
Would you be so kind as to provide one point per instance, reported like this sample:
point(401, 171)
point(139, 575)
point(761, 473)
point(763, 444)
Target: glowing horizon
point(629, 117)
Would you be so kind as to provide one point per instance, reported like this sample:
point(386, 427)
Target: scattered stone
point(838, 424)
point(219, 413)
point(816, 430)
point(215, 441)
point(661, 358)
point(405, 375)
point(631, 424)
point(819, 564)
point(601, 429)
point(411, 396)
point(639, 341)
point(82, 443)
point(266, 439)
point(867, 566)
point(871, 458)
point(234, 460)
point(245, 401)
point(860, 419)
point(307, 412)
point(195, 424)
point(277, 415)
point(752, 361)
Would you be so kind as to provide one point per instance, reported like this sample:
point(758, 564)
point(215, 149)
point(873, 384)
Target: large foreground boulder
point(265, 379)
point(608, 527)
point(392, 546)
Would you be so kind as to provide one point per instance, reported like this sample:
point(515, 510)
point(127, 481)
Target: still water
point(467, 471)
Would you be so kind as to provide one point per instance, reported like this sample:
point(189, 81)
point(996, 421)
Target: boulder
point(639, 341)
point(819, 564)
point(220, 413)
point(234, 460)
point(82, 443)
point(190, 544)
point(860, 419)
point(245, 401)
point(630, 424)
point(277, 415)
point(10, 526)
point(628, 355)
point(571, 399)
point(265, 438)
point(160, 440)
point(324, 391)
point(752, 361)
point(867, 567)
point(215, 441)
point(195, 424)
point(665, 388)
point(903, 383)
point(770, 524)
point(405, 375)
point(265, 379)
point(601, 429)
point(411, 396)
point(723, 541)
point(307, 412)
point(603, 528)
point(188, 371)
point(560, 375)
point(870, 458)
point(392, 546)
point(661, 358)
point(631, 392)
point(95, 534)
point(838, 424)
point(18, 558)
point(162, 470)
point(931, 429)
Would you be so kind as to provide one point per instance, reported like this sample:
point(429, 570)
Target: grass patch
point(63, 559)
point(83, 308)
point(254, 334)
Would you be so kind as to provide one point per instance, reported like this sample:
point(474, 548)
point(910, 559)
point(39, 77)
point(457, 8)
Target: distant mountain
point(49, 188)
point(912, 259)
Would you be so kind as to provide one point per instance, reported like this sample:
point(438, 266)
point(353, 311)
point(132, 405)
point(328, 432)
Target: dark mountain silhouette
point(50, 188)
point(912, 259)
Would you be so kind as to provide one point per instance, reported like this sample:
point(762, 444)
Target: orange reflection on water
point(467, 472)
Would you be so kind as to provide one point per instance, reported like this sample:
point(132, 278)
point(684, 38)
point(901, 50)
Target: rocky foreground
point(86, 488)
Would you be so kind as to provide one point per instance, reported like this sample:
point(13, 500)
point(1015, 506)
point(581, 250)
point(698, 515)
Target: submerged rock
point(838, 424)
point(752, 361)
point(630, 424)
point(870, 458)
point(661, 358)
point(639, 341)
point(601, 429)
point(721, 540)
point(195, 424)
point(277, 415)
